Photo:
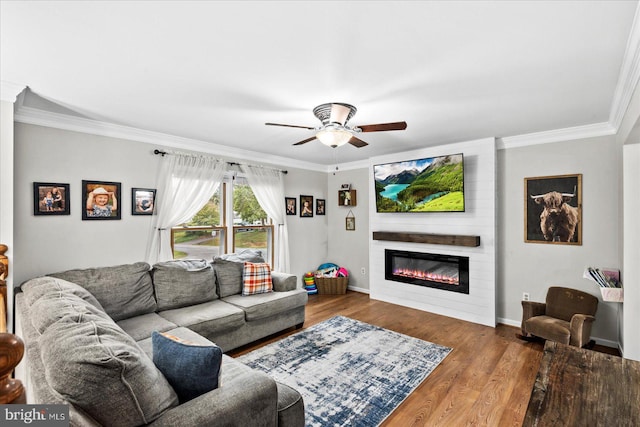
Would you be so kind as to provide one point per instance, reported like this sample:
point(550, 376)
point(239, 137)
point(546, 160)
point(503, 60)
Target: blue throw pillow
point(191, 369)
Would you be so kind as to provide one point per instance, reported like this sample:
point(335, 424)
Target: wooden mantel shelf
point(438, 239)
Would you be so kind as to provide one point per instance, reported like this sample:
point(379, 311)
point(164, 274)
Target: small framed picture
point(50, 199)
point(290, 203)
point(350, 223)
point(100, 200)
point(347, 197)
point(306, 206)
point(143, 201)
point(320, 204)
point(345, 187)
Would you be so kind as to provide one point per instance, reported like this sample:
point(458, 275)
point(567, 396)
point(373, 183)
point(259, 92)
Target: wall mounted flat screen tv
point(433, 184)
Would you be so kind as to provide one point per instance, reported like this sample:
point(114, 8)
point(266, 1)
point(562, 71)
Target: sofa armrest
point(531, 309)
point(283, 282)
point(580, 329)
point(249, 399)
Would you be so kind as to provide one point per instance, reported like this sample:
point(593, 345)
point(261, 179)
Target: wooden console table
point(578, 387)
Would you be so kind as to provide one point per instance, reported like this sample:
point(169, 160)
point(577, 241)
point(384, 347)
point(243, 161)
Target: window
point(251, 227)
point(203, 237)
point(208, 234)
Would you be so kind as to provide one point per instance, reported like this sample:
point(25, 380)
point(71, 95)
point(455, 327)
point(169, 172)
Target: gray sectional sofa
point(88, 342)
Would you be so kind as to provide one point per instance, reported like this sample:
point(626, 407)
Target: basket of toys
point(331, 279)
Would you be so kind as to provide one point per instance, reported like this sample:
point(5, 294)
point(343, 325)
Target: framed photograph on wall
point(306, 206)
point(350, 223)
point(50, 199)
point(320, 207)
point(100, 200)
point(143, 201)
point(553, 209)
point(290, 203)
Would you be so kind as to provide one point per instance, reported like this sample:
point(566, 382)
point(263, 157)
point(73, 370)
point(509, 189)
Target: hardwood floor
point(485, 381)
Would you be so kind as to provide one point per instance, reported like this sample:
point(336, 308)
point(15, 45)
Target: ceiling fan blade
point(339, 114)
point(384, 126)
point(304, 141)
point(357, 142)
point(289, 126)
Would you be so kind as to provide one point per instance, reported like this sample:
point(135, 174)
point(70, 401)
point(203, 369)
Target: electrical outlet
point(363, 271)
point(525, 296)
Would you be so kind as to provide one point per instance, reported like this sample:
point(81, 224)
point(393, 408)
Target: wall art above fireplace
point(446, 272)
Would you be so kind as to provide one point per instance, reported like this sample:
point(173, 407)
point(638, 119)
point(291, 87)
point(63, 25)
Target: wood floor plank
point(486, 380)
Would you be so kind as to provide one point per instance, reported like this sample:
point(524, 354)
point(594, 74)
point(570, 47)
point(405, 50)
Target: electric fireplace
point(447, 272)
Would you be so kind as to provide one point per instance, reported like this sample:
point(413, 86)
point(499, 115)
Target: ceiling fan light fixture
point(334, 131)
point(333, 137)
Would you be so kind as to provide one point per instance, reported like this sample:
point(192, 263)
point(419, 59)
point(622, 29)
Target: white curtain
point(185, 183)
point(268, 187)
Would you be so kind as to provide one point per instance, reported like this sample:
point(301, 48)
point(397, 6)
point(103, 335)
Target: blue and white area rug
point(349, 372)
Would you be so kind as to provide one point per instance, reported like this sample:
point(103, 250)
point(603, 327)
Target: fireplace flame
point(427, 275)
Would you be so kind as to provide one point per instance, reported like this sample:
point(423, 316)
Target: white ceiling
point(217, 71)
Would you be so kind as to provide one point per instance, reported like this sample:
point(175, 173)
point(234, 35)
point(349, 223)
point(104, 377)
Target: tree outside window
point(250, 223)
point(202, 237)
point(205, 235)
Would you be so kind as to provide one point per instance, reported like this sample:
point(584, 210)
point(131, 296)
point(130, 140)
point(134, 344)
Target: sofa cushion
point(123, 291)
point(35, 288)
point(283, 282)
point(229, 268)
point(191, 369)
point(207, 318)
point(96, 366)
point(261, 306)
point(141, 327)
point(228, 276)
point(52, 308)
point(256, 278)
point(183, 282)
point(244, 255)
point(53, 299)
point(181, 332)
point(549, 328)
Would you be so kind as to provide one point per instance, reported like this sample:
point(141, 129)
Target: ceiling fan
point(334, 131)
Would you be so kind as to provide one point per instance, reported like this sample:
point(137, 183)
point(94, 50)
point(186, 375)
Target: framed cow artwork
point(553, 209)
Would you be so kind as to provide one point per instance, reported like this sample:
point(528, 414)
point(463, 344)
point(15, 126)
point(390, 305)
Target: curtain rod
point(164, 153)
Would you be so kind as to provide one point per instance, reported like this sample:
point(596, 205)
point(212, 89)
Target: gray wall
point(308, 235)
point(350, 249)
point(44, 244)
point(532, 268)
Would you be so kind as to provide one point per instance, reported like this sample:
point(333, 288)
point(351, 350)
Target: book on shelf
point(605, 278)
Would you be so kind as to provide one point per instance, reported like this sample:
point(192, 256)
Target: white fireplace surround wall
point(479, 306)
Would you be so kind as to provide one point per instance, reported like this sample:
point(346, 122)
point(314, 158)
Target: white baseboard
point(600, 341)
point(356, 289)
point(508, 322)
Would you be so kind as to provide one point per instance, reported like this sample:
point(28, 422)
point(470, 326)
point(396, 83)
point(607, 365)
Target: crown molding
point(557, 135)
point(39, 117)
point(9, 91)
point(629, 75)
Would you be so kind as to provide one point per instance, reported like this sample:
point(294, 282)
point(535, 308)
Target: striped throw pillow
point(256, 278)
